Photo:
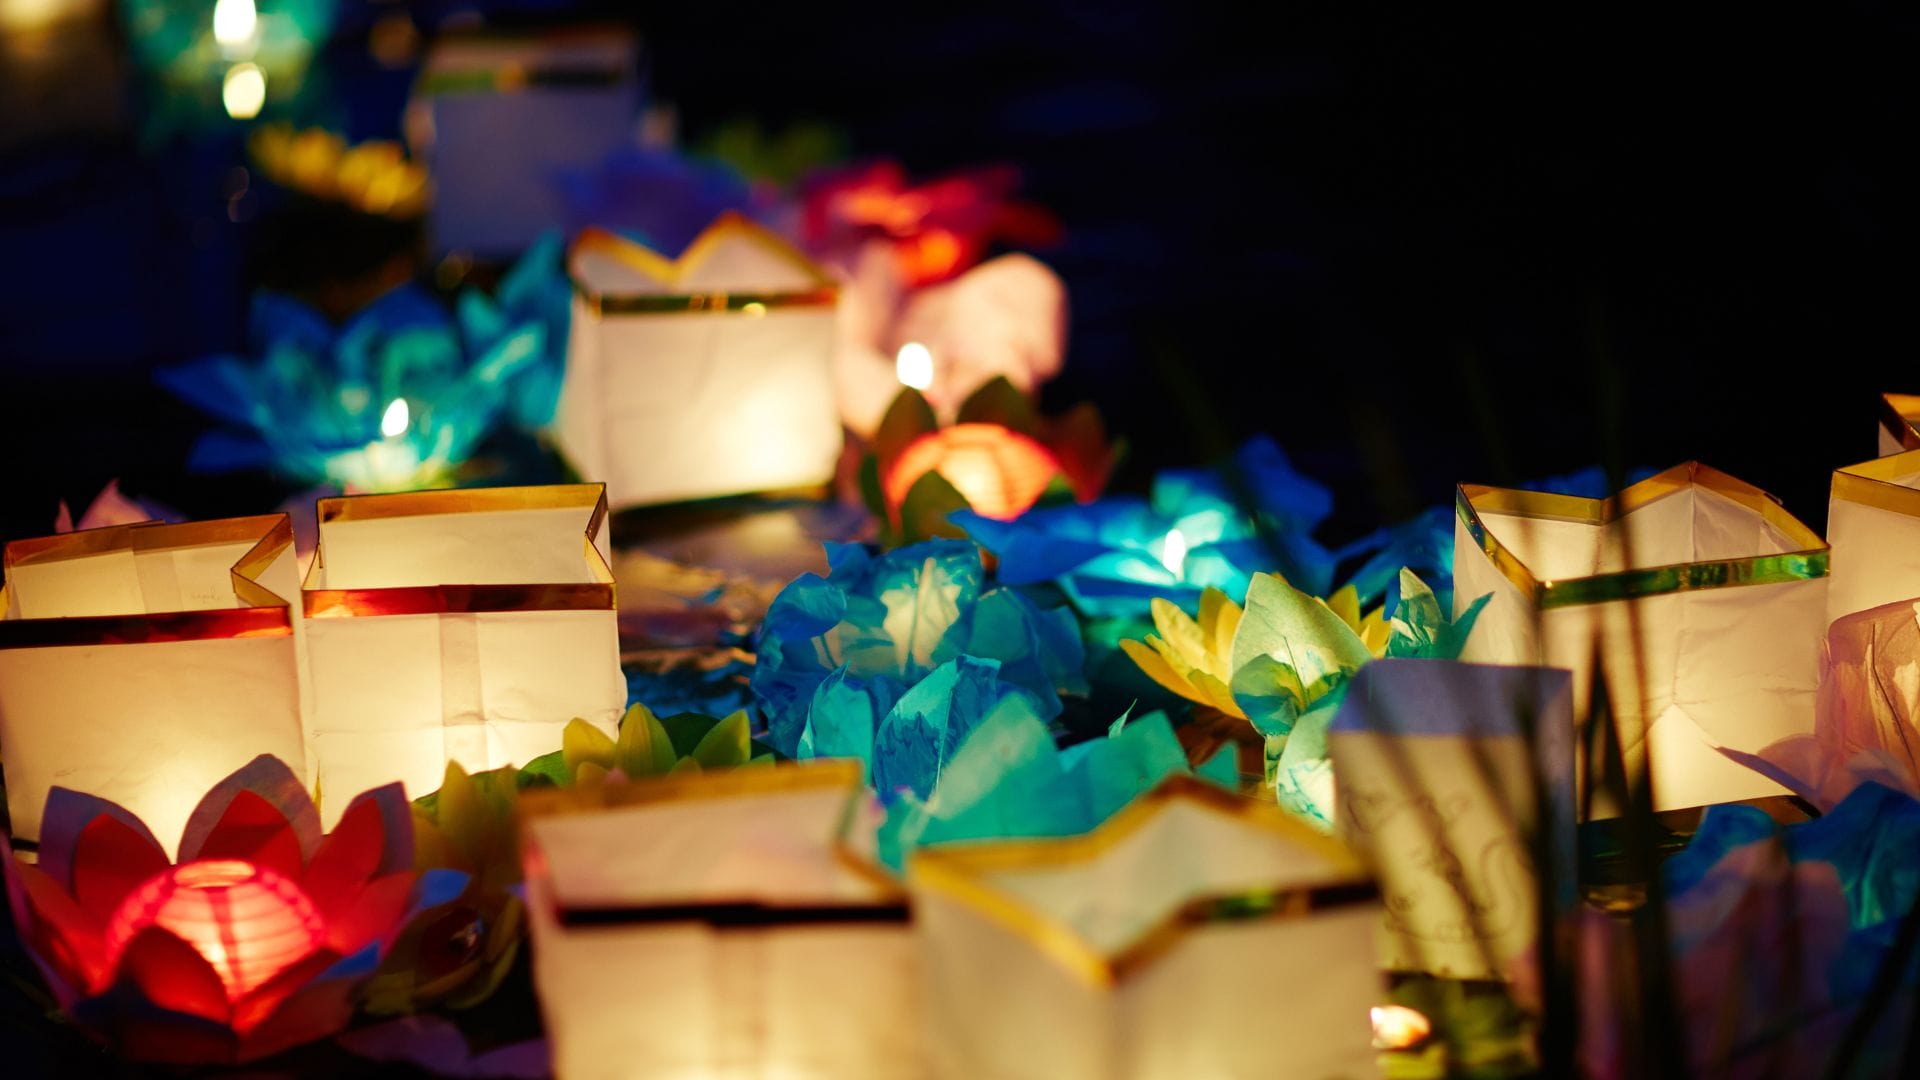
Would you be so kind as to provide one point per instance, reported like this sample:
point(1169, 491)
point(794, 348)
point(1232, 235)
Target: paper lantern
point(1899, 423)
point(258, 938)
point(1195, 933)
point(1700, 600)
point(706, 375)
point(1001, 472)
point(1434, 787)
point(499, 117)
point(704, 926)
point(1873, 523)
point(141, 663)
point(465, 625)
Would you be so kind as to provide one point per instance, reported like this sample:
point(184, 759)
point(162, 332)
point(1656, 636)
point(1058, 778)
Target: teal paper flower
point(1008, 779)
point(1201, 528)
point(894, 658)
point(535, 293)
point(390, 401)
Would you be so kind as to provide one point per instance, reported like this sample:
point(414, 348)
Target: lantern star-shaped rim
point(596, 595)
point(1881, 483)
point(728, 229)
point(265, 613)
point(1806, 561)
point(965, 874)
point(1900, 416)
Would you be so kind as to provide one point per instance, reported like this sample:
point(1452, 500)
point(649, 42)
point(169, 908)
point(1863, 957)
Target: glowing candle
point(914, 366)
point(1173, 553)
point(1396, 1027)
point(393, 422)
point(244, 91)
point(249, 922)
point(234, 22)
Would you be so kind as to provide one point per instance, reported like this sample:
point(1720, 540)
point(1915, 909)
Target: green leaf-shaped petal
point(581, 743)
point(1298, 630)
point(726, 746)
point(644, 749)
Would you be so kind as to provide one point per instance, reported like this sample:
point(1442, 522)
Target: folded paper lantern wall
point(1873, 523)
point(1196, 933)
point(499, 117)
point(707, 375)
point(142, 663)
point(466, 625)
point(1696, 596)
point(1435, 765)
point(706, 926)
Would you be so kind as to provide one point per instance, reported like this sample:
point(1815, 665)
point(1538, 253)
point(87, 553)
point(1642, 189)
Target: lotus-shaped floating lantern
point(257, 939)
point(894, 658)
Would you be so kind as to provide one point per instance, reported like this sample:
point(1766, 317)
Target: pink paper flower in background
point(1867, 715)
point(934, 231)
point(110, 507)
point(255, 940)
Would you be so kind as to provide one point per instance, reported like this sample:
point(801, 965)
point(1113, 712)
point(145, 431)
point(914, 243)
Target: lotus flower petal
point(268, 779)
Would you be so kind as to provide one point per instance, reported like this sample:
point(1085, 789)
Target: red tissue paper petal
point(110, 859)
point(173, 975)
point(268, 778)
point(254, 830)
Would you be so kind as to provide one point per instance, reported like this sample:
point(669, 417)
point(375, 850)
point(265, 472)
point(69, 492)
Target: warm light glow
point(393, 422)
point(1000, 472)
point(1396, 1027)
point(234, 22)
point(249, 922)
point(914, 365)
point(244, 91)
point(1173, 553)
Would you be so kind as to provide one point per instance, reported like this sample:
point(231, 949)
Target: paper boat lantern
point(1434, 777)
point(1899, 423)
point(1699, 598)
point(707, 375)
point(143, 663)
point(499, 117)
point(465, 625)
point(1195, 933)
point(705, 926)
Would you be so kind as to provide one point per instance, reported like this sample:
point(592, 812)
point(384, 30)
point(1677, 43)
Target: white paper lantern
point(499, 117)
point(144, 663)
point(705, 926)
point(1434, 775)
point(1699, 597)
point(466, 625)
point(1899, 423)
point(707, 375)
point(1196, 933)
point(1873, 523)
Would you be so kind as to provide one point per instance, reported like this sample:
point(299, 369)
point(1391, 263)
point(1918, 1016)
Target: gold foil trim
point(670, 272)
point(598, 595)
point(267, 614)
point(1900, 415)
point(1874, 483)
point(962, 873)
point(1806, 563)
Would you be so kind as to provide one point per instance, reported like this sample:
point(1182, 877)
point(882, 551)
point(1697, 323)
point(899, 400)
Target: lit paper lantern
point(257, 939)
point(706, 375)
point(708, 926)
point(1195, 933)
point(1873, 523)
point(499, 117)
point(465, 626)
point(1701, 600)
point(1899, 423)
point(1000, 472)
point(1434, 786)
point(142, 663)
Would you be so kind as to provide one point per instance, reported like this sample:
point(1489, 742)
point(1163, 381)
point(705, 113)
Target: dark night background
point(1415, 247)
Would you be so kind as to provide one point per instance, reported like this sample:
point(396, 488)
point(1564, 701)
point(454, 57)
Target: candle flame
point(244, 91)
point(393, 422)
point(1173, 553)
point(234, 22)
point(914, 365)
point(1396, 1027)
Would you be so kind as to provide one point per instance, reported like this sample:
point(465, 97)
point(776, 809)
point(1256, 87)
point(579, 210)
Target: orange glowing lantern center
point(249, 922)
point(1000, 472)
point(1396, 1027)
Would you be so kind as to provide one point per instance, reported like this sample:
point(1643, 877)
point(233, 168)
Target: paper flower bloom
point(1000, 459)
point(1008, 779)
point(1779, 933)
point(1866, 715)
point(256, 940)
point(1283, 662)
point(388, 402)
point(650, 746)
point(535, 293)
point(893, 658)
point(935, 230)
point(1195, 532)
